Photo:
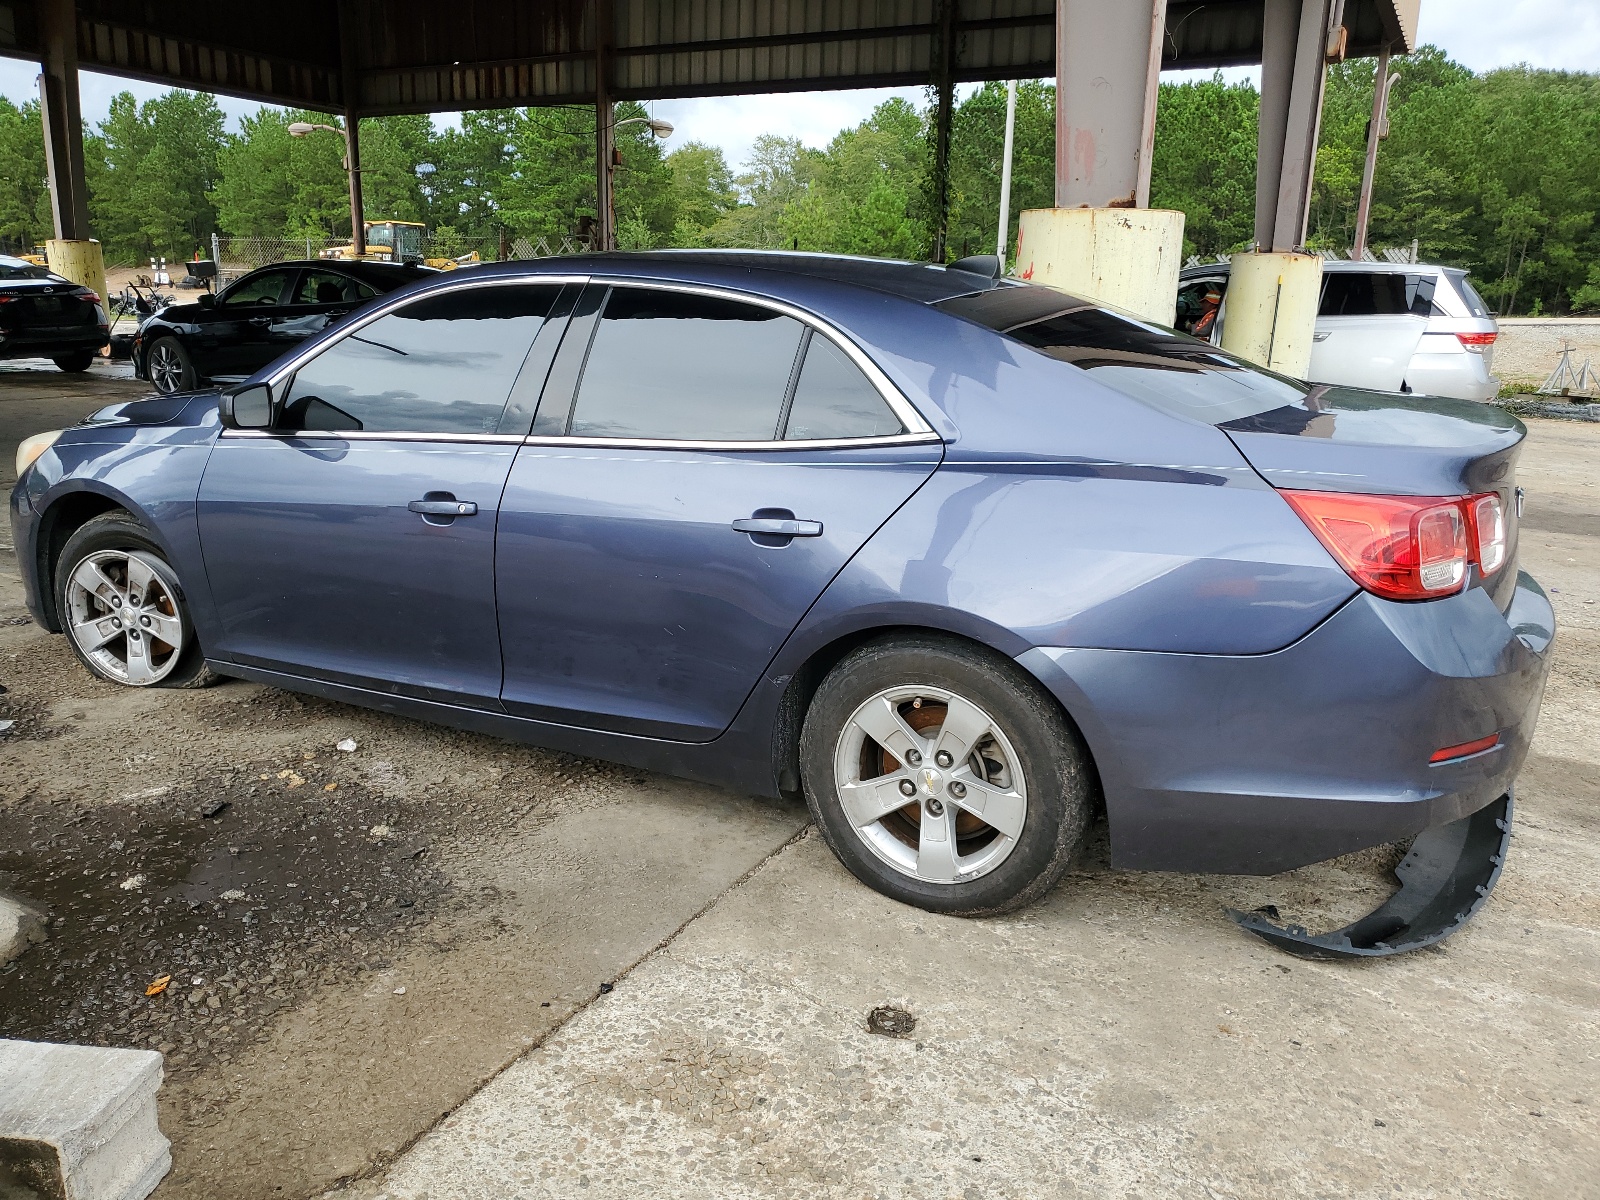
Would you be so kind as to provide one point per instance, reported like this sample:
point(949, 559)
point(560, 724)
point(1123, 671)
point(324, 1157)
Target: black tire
point(168, 366)
point(118, 532)
point(75, 362)
point(1051, 756)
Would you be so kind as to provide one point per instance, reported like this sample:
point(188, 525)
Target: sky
point(1482, 34)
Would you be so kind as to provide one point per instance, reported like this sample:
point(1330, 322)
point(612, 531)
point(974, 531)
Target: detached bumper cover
point(1444, 880)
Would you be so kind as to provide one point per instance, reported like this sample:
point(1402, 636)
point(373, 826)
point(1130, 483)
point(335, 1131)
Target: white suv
point(1393, 327)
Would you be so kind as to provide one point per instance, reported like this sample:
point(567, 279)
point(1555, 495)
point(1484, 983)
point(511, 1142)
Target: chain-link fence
point(1393, 254)
point(237, 255)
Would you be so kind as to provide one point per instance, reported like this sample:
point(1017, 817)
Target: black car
point(253, 320)
point(43, 315)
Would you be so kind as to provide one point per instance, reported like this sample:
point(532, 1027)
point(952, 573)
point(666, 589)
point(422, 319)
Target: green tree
point(977, 152)
point(24, 200)
point(271, 184)
point(1205, 162)
point(703, 191)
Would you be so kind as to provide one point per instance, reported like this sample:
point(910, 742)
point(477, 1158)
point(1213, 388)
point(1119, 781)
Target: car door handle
point(444, 508)
point(779, 526)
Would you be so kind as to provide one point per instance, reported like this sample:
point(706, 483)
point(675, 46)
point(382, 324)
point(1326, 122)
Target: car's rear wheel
point(74, 363)
point(944, 776)
point(123, 609)
point(170, 368)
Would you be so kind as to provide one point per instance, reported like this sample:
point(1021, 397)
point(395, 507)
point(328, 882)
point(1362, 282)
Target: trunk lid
point(1348, 440)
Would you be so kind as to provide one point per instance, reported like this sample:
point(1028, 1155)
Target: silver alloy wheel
point(166, 368)
point(124, 618)
point(930, 783)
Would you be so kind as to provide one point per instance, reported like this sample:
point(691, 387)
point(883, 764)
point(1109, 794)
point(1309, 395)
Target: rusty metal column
point(1102, 240)
point(350, 93)
point(63, 121)
point(944, 82)
point(605, 135)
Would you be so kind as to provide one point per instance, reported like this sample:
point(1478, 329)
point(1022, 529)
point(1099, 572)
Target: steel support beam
point(944, 83)
point(349, 92)
point(1295, 43)
point(605, 133)
point(1108, 71)
point(63, 119)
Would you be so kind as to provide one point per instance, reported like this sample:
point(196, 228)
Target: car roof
point(925, 283)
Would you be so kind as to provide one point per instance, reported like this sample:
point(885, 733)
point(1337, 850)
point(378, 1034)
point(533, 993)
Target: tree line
point(1492, 172)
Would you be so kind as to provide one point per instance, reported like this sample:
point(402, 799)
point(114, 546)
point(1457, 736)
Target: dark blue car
point(963, 560)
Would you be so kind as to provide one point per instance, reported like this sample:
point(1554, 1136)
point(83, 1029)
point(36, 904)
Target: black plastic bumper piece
point(1444, 880)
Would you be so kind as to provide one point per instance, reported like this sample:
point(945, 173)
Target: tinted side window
point(833, 399)
point(671, 365)
point(443, 364)
point(265, 288)
point(1365, 294)
point(329, 287)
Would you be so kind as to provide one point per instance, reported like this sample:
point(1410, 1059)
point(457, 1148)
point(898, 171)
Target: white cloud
point(1484, 34)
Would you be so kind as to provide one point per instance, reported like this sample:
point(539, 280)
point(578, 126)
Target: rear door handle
point(444, 508)
point(779, 526)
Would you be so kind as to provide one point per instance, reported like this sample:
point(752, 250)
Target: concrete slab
point(94, 1107)
point(21, 926)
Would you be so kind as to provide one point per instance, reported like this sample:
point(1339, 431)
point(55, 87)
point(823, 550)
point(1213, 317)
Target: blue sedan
point(962, 560)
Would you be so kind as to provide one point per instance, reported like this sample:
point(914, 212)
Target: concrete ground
point(708, 968)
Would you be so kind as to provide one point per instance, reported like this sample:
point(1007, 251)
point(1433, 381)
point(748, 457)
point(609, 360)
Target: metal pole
point(352, 142)
point(1380, 104)
point(62, 119)
point(945, 86)
point(1002, 237)
point(605, 137)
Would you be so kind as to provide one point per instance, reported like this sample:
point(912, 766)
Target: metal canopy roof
point(442, 55)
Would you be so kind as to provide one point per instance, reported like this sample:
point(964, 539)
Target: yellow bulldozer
point(398, 241)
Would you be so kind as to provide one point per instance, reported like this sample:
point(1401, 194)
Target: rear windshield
point(1168, 370)
point(15, 268)
point(1469, 295)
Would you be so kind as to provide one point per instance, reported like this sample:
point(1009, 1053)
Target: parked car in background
point(957, 558)
point(1392, 327)
point(226, 337)
point(43, 315)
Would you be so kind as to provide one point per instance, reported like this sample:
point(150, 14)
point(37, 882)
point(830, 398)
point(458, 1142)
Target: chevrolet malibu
point(961, 560)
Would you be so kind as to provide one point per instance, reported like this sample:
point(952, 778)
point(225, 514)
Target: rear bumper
point(1457, 372)
point(1254, 765)
point(45, 343)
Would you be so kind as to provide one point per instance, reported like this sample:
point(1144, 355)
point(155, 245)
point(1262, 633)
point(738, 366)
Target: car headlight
point(31, 448)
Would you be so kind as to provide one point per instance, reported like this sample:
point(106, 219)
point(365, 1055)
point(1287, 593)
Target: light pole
point(1377, 129)
point(352, 166)
point(605, 151)
point(1005, 174)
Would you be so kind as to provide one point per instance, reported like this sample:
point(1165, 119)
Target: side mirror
point(247, 408)
point(206, 300)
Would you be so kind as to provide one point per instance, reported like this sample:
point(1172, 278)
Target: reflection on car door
point(234, 337)
point(682, 504)
point(1366, 330)
point(355, 541)
point(317, 297)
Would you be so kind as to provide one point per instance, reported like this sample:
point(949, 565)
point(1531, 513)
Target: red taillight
point(1465, 749)
point(89, 297)
point(1478, 340)
point(1406, 547)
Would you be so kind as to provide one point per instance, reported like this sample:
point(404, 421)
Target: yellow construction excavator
point(398, 241)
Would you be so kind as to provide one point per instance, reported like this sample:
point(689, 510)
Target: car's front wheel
point(123, 609)
point(944, 776)
point(170, 368)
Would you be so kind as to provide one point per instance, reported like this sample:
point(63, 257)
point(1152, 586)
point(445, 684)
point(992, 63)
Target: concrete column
point(1273, 293)
point(1102, 241)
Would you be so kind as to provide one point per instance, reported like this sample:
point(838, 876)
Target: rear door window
point(678, 366)
point(441, 364)
point(834, 400)
point(1376, 294)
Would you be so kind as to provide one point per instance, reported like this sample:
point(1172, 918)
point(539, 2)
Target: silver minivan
point(1394, 327)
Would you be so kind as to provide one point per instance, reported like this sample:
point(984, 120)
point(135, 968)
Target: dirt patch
point(301, 877)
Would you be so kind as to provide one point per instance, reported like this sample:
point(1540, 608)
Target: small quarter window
point(677, 366)
point(833, 399)
point(442, 364)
